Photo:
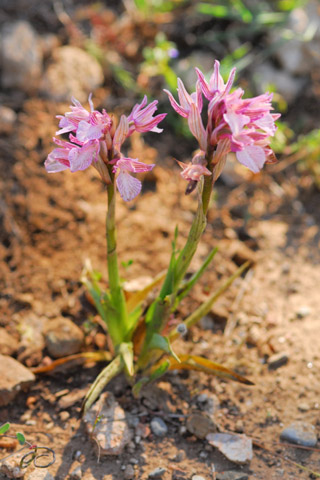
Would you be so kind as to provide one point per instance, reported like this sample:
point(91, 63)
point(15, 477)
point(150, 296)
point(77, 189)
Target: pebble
point(31, 343)
point(200, 424)
point(197, 477)
point(303, 311)
point(8, 119)
point(63, 337)
point(303, 407)
point(278, 360)
point(14, 378)
point(21, 55)
point(237, 448)
point(158, 427)
point(180, 456)
point(111, 433)
point(231, 475)
point(157, 472)
point(61, 80)
point(8, 344)
point(76, 474)
point(128, 472)
point(300, 433)
point(239, 427)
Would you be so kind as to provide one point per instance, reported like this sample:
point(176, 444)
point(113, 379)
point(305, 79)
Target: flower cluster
point(94, 140)
point(234, 124)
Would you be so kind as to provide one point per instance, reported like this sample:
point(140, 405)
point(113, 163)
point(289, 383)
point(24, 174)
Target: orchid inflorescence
point(141, 335)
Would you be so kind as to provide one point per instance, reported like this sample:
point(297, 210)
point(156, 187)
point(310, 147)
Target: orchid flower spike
point(94, 140)
point(233, 124)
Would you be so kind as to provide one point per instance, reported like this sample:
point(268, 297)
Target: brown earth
point(50, 224)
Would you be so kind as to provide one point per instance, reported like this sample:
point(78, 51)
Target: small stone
point(157, 472)
point(111, 433)
point(76, 474)
point(158, 427)
point(63, 337)
point(128, 473)
point(203, 454)
point(39, 474)
point(31, 342)
point(8, 119)
point(278, 360)
point(62, 78)
point(180, 456)
point(14, 378)
point(197, 477)
point(300, 433)
point(303, 407)
point(237, 448)
point(64, 416)
point(21, 56)
point(200, 425)
point(303, 312)
point(8, 344)
point(239, 427)
point(231, 475)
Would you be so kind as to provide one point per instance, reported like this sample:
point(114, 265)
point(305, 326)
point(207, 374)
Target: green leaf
point(126, 352)
point(4, 428)
point(158, 342)
point(157, 372)
point(21, 438)
point(186, 287)
point(205, 308)
point(168, 284)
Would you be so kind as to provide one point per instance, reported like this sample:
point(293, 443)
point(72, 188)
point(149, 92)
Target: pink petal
point(53, 165)
point(181, 111)
point(196, 126)
point(87, 132)
point(128, 186)
point(81, 158)
point(252, 157)
point(121, 133)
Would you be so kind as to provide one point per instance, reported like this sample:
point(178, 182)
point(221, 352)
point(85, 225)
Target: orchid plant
point(142, 335)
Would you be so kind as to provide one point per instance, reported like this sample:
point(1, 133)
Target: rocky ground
point(265, 327)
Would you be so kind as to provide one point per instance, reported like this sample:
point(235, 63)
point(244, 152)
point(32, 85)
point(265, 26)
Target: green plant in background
point(157, 60)
point(149, 7)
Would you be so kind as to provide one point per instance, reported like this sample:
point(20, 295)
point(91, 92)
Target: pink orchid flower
point(141, 118)
point(129, 187)
point(234, 124)
point(72, 156)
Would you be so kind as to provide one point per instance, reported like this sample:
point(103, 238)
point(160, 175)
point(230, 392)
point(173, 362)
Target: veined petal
point(53, 164)
point(196, 126)
point(129, 187)
point(81, 158)
point(86, 131)
point(121, 133)
point(252, 157)
point(132, 165)
point(181, 111)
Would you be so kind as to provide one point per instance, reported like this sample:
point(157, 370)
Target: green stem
point(118, 324)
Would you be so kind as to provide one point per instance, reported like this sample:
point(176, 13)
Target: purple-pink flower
point(234, 124)
point(94, 140)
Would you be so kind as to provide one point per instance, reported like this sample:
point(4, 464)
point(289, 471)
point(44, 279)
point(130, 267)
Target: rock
point(128, 474)
point(285, 84)
point(21, 57)
point(76, 474)
point(237, 448)
point(180, 456)
point(278, 360)
point(63, 337)
point(14, 378)
point(8, 118)
point(73, 72)
point(72, 397)
point(232, 475)
point(39, 474)
point(31, 340)
point(303, 407)
point(197, 477)
point(200, 425)
point(300, 433)
point(8, 344)
point(11, 468)
point(111, 433)
point(209, 403)
point(156, 398)
point(157, 473)
point(158, 427)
